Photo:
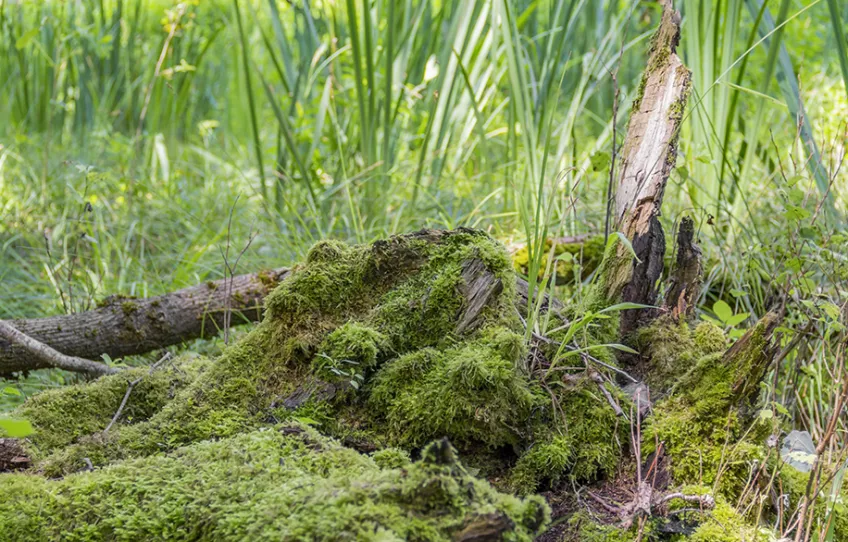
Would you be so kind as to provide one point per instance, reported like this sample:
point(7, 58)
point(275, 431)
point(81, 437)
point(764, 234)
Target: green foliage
point(279, 483)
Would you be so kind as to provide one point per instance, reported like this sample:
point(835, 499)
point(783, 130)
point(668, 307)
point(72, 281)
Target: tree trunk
point(125, 326)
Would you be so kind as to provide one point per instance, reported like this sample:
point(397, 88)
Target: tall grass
point(728, 136)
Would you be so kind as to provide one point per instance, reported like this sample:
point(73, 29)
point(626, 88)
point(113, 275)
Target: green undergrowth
point(573, 261)
point(374, 345)
point(719, 524)
point(280, 483)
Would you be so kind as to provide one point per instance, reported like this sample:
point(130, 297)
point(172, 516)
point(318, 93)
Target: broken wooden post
point(648, 155)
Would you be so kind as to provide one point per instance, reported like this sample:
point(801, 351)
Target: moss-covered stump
point(281, 483)
point(385, 346)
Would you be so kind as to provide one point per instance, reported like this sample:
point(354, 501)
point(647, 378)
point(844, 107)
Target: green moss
point(63, 415)
point(286, 483)
point(348, 353)
point(582, 528)
point(391, 458)
point(587, 446)
point(725, 524)
point(701, 423)
point(129, 307)
point(674, 349)
point(471, 392)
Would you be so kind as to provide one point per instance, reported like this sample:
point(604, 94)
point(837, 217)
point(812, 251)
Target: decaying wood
point(479, 288)
point(648, 155)
point(50, 356)
point(126, 326)
point(12, 455)
point(685, 280)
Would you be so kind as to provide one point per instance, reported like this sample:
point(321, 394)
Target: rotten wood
point(647, 158)
point(125, 326)
point(479, 289)
point(12, 455)
point(685, 281)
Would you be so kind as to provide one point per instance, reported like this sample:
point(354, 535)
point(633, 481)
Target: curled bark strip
point(124, 326)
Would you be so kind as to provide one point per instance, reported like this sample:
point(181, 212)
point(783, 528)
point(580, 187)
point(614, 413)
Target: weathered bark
point(685, 279)
point(50, 356)
point(126, 326)
point(648, 155)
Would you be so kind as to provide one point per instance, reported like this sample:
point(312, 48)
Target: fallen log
point(124, 326)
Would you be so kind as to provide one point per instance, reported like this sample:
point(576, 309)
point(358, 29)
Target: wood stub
point(479, 288)
point(647, 158)
point(685, 280)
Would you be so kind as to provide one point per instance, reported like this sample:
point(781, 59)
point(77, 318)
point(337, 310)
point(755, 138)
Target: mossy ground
point(364, 343)
point(280, 483)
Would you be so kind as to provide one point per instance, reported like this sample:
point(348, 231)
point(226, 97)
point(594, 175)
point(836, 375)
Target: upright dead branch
point(685, 279)
point(648, 155)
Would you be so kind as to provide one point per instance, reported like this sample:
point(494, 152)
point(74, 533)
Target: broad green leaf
point(723, 311)
point(8, 390)
point(26, 38)
point(794, 212)
point(600, 161)
point(16, 428)
point(737, 319)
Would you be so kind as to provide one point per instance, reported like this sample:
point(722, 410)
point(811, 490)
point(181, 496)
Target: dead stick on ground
point(132, 385)
point(52, 357)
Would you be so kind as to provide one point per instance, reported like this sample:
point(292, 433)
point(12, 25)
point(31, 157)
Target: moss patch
point(62, 416)
point(285, 483)
point(704, 425)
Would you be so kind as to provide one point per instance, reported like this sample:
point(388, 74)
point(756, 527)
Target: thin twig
point(130, 387)
point(51, 356)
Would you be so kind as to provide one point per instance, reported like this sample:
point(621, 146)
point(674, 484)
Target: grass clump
point(285, 483)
